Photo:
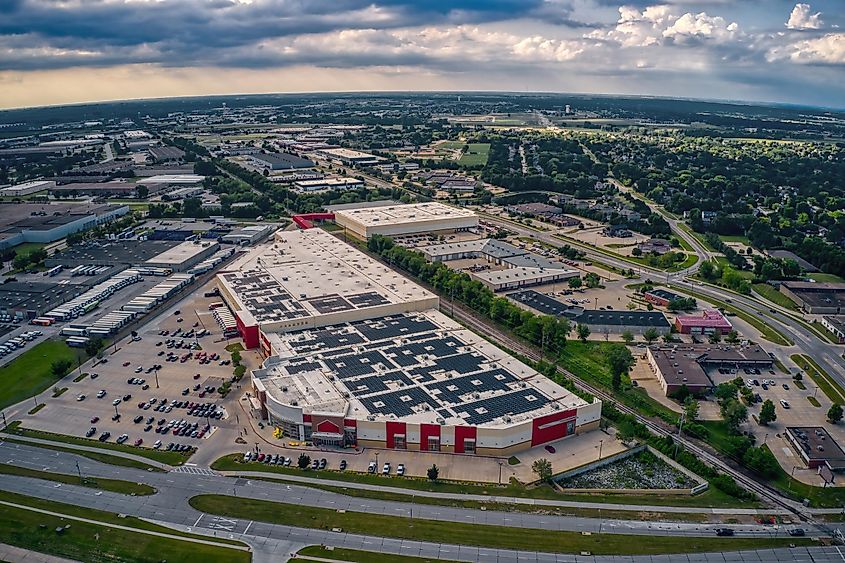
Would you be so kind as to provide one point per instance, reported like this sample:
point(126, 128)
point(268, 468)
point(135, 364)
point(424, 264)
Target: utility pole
point(680, 426)
point(79, 471)
point(156, 373)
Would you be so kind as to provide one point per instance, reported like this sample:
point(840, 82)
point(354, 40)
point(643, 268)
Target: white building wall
point(504, 437)
point(588, 413)
point(375, 431)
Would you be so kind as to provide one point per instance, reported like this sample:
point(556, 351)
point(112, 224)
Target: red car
point(139, 441)
point(95, 419)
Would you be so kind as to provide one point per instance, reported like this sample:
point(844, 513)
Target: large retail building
point(405, 219)
point(359, 355)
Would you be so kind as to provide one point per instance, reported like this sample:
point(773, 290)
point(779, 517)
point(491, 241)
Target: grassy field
point(97, 543)
point(822, 277)
point(111, 485)
point(102, 458)
point(358, 556)
point(735, 238)
point(820, 497)
point(334, 481)
point(688, 262)
point(820, 377)
point(170, 458)
point(30, 374)
point(766, 291)
point(476, 154)
point(472, 534)
point(26, 248)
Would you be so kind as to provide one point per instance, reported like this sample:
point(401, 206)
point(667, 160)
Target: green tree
point(304, 461)
point(575, 282)
point(707, 270)
point(732, 337)
point(592, 280)
point(767, 413)
point(583, 332)
point(834, 414)
point(734, 413)
point(650, 335)
point(715, 338)
point(542, 468)
point(60, 367)
point(433, 473)
point(627, 336)
point(93, 346)
point(691, 408)
point(620, 360)
point(142, 191)
point(762, 461)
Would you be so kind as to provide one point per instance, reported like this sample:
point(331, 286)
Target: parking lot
point(160, 385)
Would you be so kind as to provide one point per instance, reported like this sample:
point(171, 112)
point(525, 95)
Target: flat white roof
point(416, 367)
point(310, 273)
point(180, 253)
point(405, 213)
point(348, 153)
point(173, 179)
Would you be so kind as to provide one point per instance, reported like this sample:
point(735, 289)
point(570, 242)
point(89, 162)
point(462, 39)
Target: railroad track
point(468, 318)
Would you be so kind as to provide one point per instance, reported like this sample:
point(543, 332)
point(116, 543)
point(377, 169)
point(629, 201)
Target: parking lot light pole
point(115, 411)
point(4, 420)
point(601, 443)
point(156, 372)
point(500, 471)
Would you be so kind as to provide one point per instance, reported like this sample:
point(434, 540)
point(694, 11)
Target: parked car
point(784, 403)
point(400, 469)
point(372, 467)
point(386, 469)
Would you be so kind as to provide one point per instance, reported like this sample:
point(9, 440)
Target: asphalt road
point(273, 543)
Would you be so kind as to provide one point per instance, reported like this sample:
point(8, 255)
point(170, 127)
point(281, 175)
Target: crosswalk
point(194, 471)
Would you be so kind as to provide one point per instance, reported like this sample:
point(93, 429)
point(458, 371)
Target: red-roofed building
point(709, 322)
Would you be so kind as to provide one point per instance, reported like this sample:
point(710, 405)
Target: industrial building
point(836, 326)
point(309, 279)
point(413, 382)
point(110, 253)
point(816, 447)
point(348, 156)
point(173, 179)
point(521, 267)
point(166, 154)
point(249, 234)
point(661, 297)
point(27, 300)
point(27, 188)
point(181, 257)
point(689, 365)
point(279, 161)
point(710, 321)
point(315, 185)
point(43, 223)
point(358, 355)
point(816, 297)
point(407, 219)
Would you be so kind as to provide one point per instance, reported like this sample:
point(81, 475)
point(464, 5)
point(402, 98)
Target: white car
point(784, 403)
point(372, 467)
point(386, 469)
point(80, 397)
point(400, 469)
point(157, 444)
point(116, 402)
point(101, 393)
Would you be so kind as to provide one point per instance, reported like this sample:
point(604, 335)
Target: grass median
point(358, 556)
point(99, 542)
point(111, 485)
point(170, 458)
point(820, 377)
point(503, 537)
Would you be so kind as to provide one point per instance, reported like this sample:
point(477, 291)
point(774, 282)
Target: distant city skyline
point(755, 50)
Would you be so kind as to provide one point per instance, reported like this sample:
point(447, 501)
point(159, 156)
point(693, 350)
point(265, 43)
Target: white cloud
point(656, 25)
point(828, 49)
point(801, 18)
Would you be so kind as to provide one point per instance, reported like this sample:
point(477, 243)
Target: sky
point(68, 51)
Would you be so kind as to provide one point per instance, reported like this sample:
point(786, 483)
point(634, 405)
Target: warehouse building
point(661, 297)
point(181, 257)
point(416, 382)
point(357, 355)
point(43, 223)
point(836, 326)
point(27, 188)
point(321, 184)
point(310, 279)
point(413, 218)
point(349, 157)
point(249, 234)
point(690, 365)
point(816, 297)
point(279, 161)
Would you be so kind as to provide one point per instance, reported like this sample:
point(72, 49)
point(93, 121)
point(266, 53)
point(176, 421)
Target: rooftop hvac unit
point(556, 406)
point(284, 389)
point(441, 421)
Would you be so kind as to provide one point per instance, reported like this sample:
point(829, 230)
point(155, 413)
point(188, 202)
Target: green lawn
point(26, 248)
point(766, 291)
point(735, 238)
point(471, 534)
point(358, 556)
point(476, 154)
point(102, 458)
point(100, 542)
point(29, 373)
point(820, 497)
point(111, 485)
point(170, 458)
point(688, 262)
point(827, 384)
point(822, 277)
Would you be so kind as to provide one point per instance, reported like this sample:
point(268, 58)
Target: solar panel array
point(401, 365)
point(264, 297)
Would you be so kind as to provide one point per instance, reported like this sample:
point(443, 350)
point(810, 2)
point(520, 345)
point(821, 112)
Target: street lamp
point(500, 471)
point(601, 444)
point(115, 411)
point(156, 373)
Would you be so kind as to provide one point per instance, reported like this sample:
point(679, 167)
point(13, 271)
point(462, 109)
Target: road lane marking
point(198, 520)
